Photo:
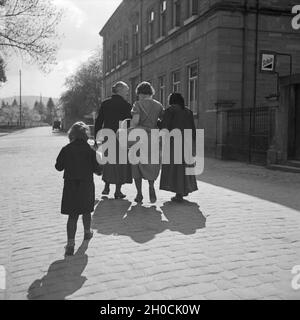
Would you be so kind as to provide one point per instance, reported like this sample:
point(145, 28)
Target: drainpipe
point(244, 65)
point(256, 51)
point(253, 123)
point(244, 61)
point(141, 39)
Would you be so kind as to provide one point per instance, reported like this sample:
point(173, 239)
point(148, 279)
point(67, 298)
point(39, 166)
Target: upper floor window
point(108, 61)
point(114, 56)
point(176, 13)
point(135, 40)
point(162, 90)
point(126, 46)
point(192, 7)
point(120, 51)
point(176, 81)
point(163, 18)
point(150, 27)
point(193, 88)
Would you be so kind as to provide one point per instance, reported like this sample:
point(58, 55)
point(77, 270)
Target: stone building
point(211, 52)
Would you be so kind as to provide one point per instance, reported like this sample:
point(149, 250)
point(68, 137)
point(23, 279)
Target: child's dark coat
point(78, 161)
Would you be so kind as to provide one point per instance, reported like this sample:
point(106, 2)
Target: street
point(238, 237)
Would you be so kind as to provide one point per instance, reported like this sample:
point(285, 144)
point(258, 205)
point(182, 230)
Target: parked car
point(56, 125)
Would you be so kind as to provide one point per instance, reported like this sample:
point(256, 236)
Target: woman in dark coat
point(112, 111)
point(78, 160)
point(173, 176)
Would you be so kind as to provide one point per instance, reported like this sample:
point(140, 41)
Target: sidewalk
point(238, 237)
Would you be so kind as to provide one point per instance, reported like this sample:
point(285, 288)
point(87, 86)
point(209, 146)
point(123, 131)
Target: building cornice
point(225, 7)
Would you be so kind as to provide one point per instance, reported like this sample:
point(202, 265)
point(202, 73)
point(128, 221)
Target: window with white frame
point(134, 83)
point(135, 40)
point(150, 27)
point(163, 18)
point(193, 88)
point(192, 7)
point(176, 81)
point(162, 89)
point(176, 13)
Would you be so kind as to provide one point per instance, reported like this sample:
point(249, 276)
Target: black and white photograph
point(149, 151)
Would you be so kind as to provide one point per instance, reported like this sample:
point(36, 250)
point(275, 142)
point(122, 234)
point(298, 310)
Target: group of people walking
point(78, 159)
point(148, 114)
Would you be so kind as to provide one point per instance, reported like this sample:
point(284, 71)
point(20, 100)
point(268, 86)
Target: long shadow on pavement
point(64, 277)
point(141, 223)
point(184, 217)
point(273, 186)
point(113, 217)
point(109, 215)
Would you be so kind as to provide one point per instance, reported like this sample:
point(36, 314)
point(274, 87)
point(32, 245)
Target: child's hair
point(79, 131)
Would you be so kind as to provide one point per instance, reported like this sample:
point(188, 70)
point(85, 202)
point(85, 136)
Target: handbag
point(124, 130)
point(98, 170)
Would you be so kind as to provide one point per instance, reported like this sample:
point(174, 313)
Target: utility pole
point(20, 98)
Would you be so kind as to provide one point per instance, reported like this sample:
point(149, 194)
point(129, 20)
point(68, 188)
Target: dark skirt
point(117, 173)
point(78, 197)
point(174, 179)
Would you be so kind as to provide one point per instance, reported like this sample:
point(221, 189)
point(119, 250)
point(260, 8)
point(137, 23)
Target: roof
point(116, 12)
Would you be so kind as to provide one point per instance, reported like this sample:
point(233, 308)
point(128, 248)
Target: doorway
point(294, 125)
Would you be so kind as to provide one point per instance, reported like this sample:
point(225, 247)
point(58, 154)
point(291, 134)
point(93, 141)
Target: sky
point(80, 28)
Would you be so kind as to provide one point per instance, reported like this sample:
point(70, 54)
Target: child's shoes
point(69, 250)
point(88, 235)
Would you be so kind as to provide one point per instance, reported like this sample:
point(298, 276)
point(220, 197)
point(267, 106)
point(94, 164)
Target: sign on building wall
point(268, 61)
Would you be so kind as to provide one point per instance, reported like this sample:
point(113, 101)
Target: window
point(134, 83)
point(163, 18)
point(176, 13)
point(150, 27)
point(120, 51)
point(176, 81)
point(192, 8)
point(193, 87)
point(114, 56)
point(108, 61)
point(126, 46)
point(162, 90)
point(135, 40)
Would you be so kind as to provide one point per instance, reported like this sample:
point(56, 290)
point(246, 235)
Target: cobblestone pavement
point(238, 237)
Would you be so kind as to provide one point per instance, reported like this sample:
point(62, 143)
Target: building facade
point(210, 51)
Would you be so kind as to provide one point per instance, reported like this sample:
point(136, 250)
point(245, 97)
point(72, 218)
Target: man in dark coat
point(112, 111)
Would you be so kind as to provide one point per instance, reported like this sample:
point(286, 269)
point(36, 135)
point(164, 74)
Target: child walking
point(78, 160)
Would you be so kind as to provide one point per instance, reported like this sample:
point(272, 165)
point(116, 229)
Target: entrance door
point(294, 126)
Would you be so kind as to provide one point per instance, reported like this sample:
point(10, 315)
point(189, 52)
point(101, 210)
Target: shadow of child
point(63, 278)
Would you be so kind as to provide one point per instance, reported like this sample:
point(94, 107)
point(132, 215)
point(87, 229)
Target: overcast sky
point(81, 25)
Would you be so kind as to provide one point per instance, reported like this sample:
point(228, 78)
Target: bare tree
point(29, 27)
point(84, 88)
point(2, 71)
